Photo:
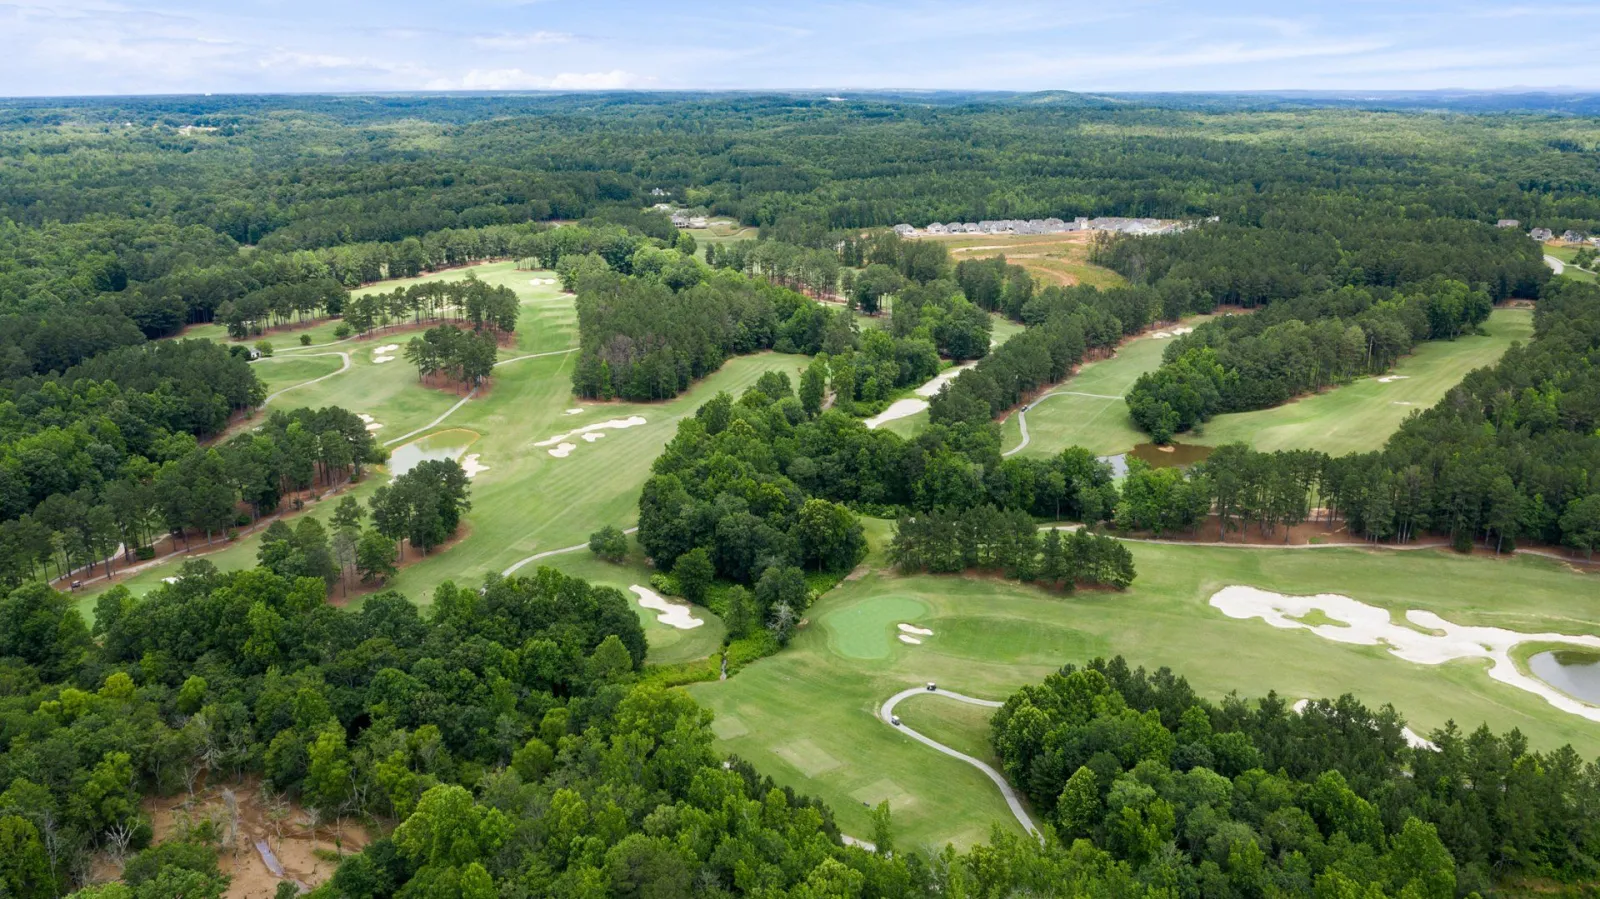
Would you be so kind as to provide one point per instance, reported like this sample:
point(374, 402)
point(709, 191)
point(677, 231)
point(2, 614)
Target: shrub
point(609, 543)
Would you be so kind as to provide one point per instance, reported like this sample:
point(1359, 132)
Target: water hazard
point(449, 444)
point(1174, 455)
point(1573, 672)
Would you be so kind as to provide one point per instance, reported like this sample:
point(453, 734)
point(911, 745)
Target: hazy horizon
point(70, 48)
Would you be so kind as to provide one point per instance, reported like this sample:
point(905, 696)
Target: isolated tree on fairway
point(609, 543)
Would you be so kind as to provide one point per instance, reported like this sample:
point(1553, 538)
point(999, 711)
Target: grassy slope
point(1360, 416)
point(1092, 422)
point(817, 700)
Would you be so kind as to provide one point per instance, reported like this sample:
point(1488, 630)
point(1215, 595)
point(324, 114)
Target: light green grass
point(991, 637)
point(962, 726)
point(1361, 416)
point(1098, 423)
point(278, 372)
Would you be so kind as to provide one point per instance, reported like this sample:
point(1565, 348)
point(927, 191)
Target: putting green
point(867, 629)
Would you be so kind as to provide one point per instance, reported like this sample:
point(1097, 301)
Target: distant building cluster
point(681, 217)
point(1544, 235)
point(1047, 226)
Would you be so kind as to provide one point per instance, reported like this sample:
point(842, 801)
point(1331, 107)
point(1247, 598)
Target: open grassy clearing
point(1361, 416)
point(1052, 259)
point(1091, 412)
point(990, 636)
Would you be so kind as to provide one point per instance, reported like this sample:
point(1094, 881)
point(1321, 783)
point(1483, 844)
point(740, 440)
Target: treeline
point(1242, 362)
point(468, 301)
point(1251, 798)
point(1511, 452)
point(272, 306)
point(1066, 326)
point(181, 488)
point(985, 538)
point(110, 419)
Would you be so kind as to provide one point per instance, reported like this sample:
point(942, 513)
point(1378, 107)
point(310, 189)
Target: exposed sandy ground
point(284, 827)
point(913, 629)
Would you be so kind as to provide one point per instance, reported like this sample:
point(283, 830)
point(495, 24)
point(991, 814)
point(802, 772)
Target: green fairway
point(278, 372)
point(527, 501)
point(1360, 416)
point(1090, 410)
point(990, 637)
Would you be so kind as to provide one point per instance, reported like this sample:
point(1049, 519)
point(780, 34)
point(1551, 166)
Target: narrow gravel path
point(345, 357)
point(534, 356)
point(551, 552)
point(437, 421)
point(886, 714)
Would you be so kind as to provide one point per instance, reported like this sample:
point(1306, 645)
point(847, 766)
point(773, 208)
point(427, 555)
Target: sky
point(77, 47)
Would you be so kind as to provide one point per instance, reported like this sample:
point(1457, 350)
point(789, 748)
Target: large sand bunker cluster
point(590, 433)
point(1433, 641)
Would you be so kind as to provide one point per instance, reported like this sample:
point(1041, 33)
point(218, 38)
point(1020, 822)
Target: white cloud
point(518, 79)
point(521, 40)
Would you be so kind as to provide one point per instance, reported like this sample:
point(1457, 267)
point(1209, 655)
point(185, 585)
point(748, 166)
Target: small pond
point(1574, 672)
point(1173, 455)
point(448, 444)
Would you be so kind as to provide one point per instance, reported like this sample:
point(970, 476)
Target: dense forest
point(1253, 798)
point(508, 734)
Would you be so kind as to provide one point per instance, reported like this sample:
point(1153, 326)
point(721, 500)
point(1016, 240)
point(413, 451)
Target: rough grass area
point(991, 636)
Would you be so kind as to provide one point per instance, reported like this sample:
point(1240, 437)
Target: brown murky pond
point(1174, 455)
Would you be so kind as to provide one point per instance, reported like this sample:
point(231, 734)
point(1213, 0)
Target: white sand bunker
point(1371, 626)
point(564, 450)
point(593, 436)
point(169, 580)
point(1399, 403)
point(1171, 332)
point(1388, 378)
point(1161, 335)
point(913, 629)
point(617, 424)
point(371, 423)
point(542, 281)
point(385, 353)
point(672, 614)
point(471, 466)
point(573, 412)
point(907, 638)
